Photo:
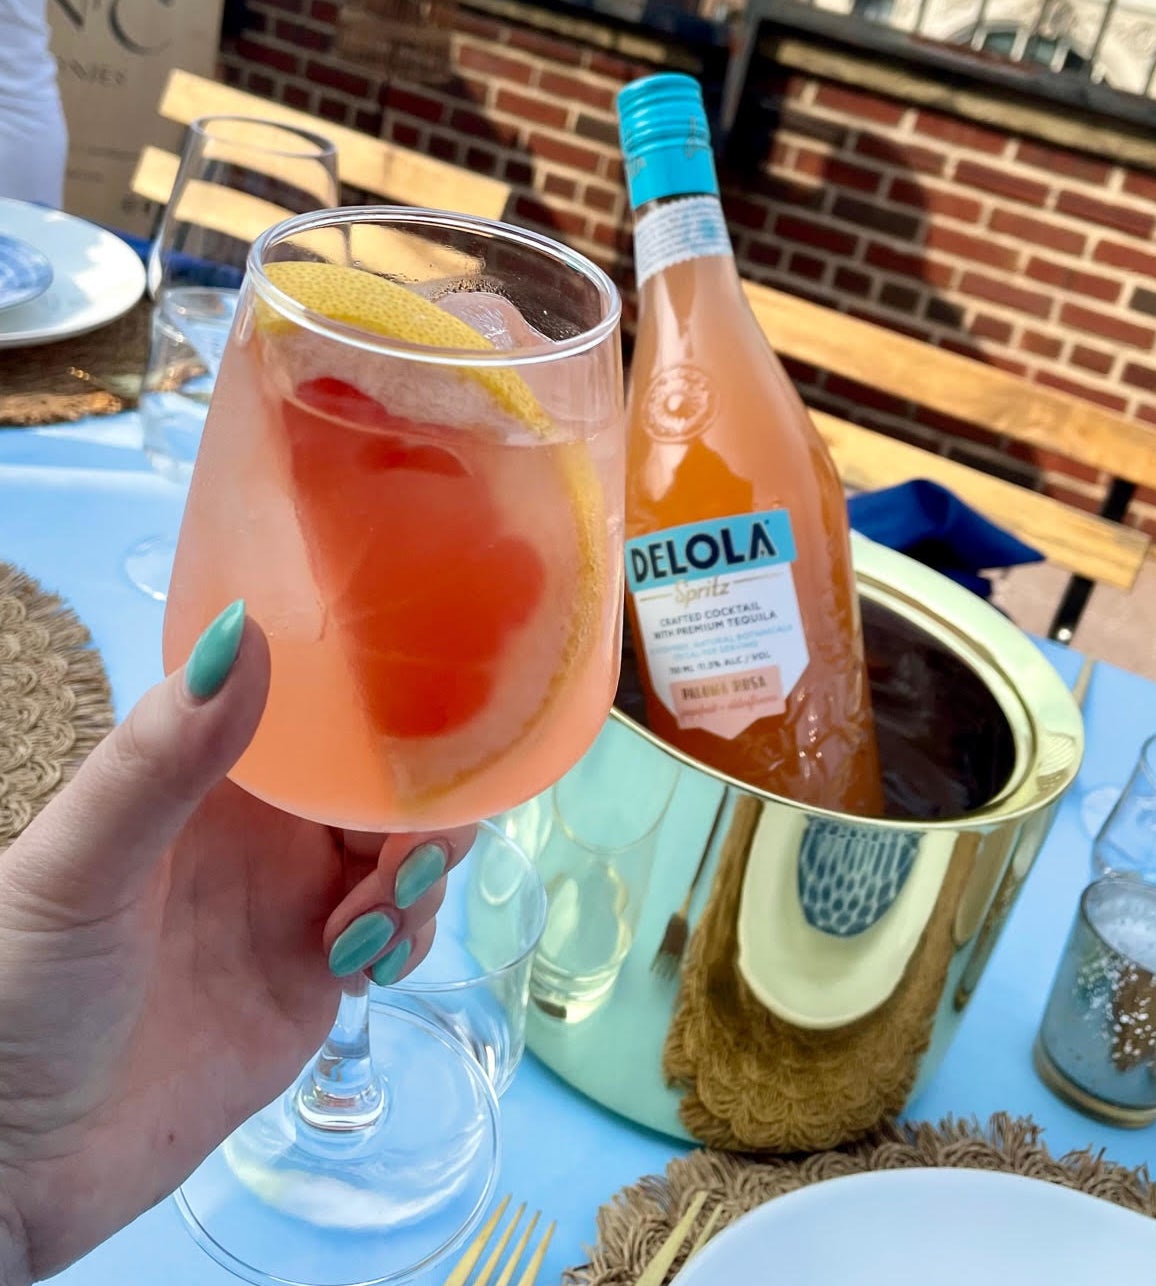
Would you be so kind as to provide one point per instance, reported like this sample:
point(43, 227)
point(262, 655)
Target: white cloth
point(33, 133)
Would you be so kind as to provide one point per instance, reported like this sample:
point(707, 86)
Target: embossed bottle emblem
point(680, 404)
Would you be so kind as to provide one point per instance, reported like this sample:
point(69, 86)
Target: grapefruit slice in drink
point(456, 540)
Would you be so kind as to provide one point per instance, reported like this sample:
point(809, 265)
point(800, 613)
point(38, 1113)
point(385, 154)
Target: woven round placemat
point(55, 703)
point(95, 374)
point(635, 1223)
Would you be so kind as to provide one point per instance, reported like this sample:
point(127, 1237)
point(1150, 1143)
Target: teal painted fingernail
point(212, 658)
point(420, 871)
point(360, 942)
point(388, 968)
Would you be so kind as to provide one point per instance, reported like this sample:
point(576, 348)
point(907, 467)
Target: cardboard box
point(113, 58)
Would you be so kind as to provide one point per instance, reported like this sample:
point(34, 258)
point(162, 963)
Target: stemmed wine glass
point(238, 176)
point(412, 473)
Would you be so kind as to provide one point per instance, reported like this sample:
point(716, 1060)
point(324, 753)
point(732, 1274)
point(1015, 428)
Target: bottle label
point(719, 618)
point(677, 231)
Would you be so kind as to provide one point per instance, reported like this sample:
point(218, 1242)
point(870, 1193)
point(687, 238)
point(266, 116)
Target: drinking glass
point(1126, 843)
point(238, 175)
point(1096, 1047)
point(428, 526)
point(595, 861)
point(475, 982)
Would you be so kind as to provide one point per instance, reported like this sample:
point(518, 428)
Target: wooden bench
point(1094, 548)
point(370, 164)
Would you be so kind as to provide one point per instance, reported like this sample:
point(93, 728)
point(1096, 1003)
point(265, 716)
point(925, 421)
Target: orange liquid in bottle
point(742, 598)
point(717, 429)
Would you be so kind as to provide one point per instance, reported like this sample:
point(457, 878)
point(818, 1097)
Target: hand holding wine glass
point(163, 937)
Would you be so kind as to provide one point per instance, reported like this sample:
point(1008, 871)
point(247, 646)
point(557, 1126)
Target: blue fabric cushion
point(932, 525)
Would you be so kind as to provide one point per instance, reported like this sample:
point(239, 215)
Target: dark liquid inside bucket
point(944, 743)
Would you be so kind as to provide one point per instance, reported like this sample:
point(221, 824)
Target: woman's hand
point(163, 956)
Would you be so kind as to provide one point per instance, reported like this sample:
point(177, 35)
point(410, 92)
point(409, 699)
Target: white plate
point(917, 1227)
point(97, 277)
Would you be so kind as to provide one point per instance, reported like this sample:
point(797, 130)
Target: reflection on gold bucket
point(831, 956)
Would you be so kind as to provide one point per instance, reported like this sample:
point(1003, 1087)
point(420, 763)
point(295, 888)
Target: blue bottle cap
point(665, 139)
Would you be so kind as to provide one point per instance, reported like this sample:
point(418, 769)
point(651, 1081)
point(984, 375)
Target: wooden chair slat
point(241, 215)
point(377, 166)
point(225, 210)
point(943, 381)
point(1089, 546)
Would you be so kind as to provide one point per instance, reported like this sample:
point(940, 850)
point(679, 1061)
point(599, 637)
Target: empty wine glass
point(238, 175)
point(1126, 842)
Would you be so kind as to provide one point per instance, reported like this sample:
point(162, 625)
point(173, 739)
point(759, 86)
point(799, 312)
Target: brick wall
point(1036, 259)
point(524, 105)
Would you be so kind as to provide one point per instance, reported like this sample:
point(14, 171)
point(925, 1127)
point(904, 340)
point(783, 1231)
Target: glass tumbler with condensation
point(604, 824)
point(475, 981)
point(1126, 843)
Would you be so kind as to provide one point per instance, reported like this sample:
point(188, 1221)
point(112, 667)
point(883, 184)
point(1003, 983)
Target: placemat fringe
point(55, 701)
point(635, 1222)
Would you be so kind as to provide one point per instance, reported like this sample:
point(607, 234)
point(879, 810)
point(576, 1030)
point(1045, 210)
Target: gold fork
point(654, 1274)
point(474, 1251)
point(669, 954)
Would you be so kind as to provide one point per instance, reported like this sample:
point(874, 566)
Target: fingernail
point(388, 968)
point(420, 871)
point(360, 942)
point(212, 658)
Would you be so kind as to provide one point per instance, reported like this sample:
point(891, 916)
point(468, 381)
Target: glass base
point(1053, 1076)
point(283, 1202)
point(149, 565)
point(568, 997)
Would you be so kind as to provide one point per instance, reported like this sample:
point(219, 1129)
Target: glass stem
point(341, 1091)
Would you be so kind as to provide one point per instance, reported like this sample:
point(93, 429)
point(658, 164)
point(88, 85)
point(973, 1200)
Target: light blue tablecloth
point(73, 499)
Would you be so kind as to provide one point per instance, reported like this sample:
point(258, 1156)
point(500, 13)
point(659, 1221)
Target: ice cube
point(572, 390)
point(493, 317)
point(1125, 922)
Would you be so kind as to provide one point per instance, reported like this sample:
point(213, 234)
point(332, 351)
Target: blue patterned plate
point(25, 273)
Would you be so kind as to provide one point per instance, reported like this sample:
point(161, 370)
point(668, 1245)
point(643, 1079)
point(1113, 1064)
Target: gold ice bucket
point(831, 957)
